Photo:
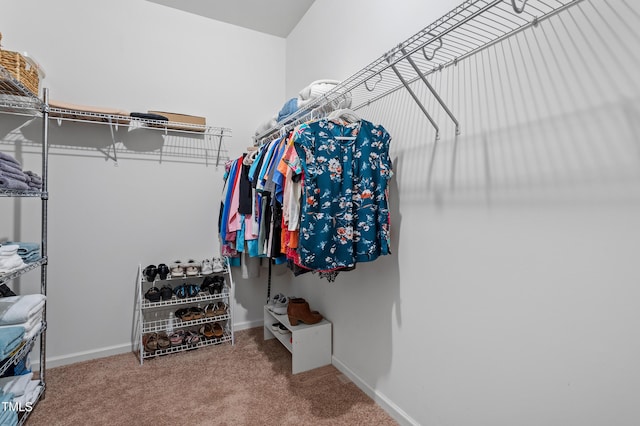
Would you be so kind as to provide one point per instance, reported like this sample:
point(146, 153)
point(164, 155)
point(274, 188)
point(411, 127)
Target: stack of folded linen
point(11, 337)
point(33, 180)
point(7, 417)
point(9, 259)
point(24, 311)
point(23, 388)
point(28, 252)
point(11, 174)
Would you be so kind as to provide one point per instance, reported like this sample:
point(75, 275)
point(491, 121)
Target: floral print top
point(344, 206)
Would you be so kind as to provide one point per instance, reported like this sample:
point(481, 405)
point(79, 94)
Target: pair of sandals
point(211, 331)
point(186, 290)
point(215, 309)
point(154, 341)
point(190, 314)
point(153, 271)
point(154, 294)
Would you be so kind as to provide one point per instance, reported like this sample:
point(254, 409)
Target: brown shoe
point(299, 311)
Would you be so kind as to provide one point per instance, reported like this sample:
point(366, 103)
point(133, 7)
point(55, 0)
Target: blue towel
point(8, 183)
point(29, 252)
point(10, 339)
point(8, 417)
point(288, 108)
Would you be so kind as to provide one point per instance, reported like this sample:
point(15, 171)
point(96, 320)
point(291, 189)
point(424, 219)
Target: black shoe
point(150, 273)
point(163, 271)
point(166, 292)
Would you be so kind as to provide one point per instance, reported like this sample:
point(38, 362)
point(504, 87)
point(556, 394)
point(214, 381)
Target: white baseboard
point(57, 361)
point(387, 405)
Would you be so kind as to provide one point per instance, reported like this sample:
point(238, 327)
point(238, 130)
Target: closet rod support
point(424, 52)
point(219, 147)
point(432, 90)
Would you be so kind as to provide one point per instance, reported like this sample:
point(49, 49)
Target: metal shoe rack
point(466, 30)
point(154, 317)
point(17, 100)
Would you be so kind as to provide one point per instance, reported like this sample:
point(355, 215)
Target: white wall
point(510, 298)
point(105, 220)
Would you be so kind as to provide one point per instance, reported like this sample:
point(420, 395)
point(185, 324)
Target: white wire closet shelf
point(185, 142)
point(464, 31)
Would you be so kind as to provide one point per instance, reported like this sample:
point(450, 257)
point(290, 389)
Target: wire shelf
point(16, 98)
point(202, 343)
point(174, 301)
point(20, 353)
point(29, 267)
point(163, 325)
point(464, 31)
point(24, 415)
point(22, 193)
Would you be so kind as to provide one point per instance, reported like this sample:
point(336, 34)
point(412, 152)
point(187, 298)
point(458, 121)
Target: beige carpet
point(246, 384)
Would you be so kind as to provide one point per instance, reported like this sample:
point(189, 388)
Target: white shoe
point(177, 269)
point(282, 329)
point(272, 302)
point(192, 268)
point(206, 267)
point(280, 307)
point(218, 264)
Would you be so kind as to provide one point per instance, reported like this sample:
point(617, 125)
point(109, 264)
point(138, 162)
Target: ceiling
point(276, 17)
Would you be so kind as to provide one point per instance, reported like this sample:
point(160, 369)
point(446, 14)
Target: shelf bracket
point(113, 157)
point(389, 58)
point(424, 52)
point(219, 147)
point(430, 87)
point(516, 8)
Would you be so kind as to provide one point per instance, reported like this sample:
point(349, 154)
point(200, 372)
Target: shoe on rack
point(163, 271)
point(176, 338)
point(150, 273)
point(275, 326)
point(218, 331)
point(206, 330)
point(163, 340)
point(153, 295)
point(217, 286)
point(206, 267)
point(280, 306)
point(282, 329)
point(177, 269)
point(166, 292)
point(150, 342)
point(191, 268)
point(218, 264)
point(271, 303)
point(299, 311)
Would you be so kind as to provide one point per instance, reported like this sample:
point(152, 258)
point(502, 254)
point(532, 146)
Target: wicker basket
point(18, 66)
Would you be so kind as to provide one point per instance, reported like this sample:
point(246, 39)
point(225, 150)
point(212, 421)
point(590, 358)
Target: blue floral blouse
point(344, 207)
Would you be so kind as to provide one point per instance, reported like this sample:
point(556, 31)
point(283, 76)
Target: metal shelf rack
point(464, 31)
point(17, 100)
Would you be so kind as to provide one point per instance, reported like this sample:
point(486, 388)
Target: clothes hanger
point(344, 113)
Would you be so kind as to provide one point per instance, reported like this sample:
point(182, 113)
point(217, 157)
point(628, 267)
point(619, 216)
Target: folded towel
point(19, 309)
point(33, 332)
point(4, 157)
point(272, 122)
point(288, 108)
point(17, 385)
point(317, 88)
point(8, 249)
point(8, 183)
point(30, 393)
point(15, 175)
point(5, 166)
point(10, 263)
point(23, 247)
point(10, 338)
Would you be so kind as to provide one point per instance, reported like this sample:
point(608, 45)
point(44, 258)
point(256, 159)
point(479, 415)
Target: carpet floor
point(249, 383)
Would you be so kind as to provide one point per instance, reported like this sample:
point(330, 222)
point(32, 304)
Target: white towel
point(317, 88)
point(30, 393)
point(33, 332)
point(8, 250)
point(20, 309)
point(15, 384)
point(10, 263)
